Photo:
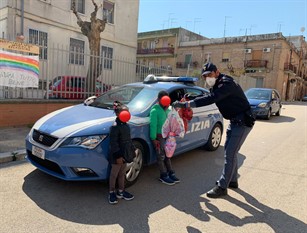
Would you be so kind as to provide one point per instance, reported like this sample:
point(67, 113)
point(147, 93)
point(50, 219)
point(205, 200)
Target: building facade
point(64, 50)
point(268, 60)
point(157, 50)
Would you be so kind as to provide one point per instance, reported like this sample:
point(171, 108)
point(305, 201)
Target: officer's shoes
point(217, 192)
point(233, 185)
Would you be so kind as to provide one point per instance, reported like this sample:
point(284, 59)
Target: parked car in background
point(264, 102)
point(73, 143)
point(72, 87)
point(304, 99)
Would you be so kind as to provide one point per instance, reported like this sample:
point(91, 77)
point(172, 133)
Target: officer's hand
point(178, 104)
point(120, 160)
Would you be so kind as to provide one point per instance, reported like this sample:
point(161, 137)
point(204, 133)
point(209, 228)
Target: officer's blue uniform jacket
point(228, 97)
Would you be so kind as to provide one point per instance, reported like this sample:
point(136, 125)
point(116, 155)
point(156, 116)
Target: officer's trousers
point(235, 137)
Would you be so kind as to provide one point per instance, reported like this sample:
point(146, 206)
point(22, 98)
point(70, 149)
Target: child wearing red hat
point(121, 150)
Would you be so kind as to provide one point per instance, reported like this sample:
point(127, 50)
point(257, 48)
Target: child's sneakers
point(166, 180)
point(112, 198)
point(174, 178)
point(125, 195)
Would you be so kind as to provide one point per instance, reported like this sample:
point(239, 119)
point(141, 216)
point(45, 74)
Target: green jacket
point(157, 118)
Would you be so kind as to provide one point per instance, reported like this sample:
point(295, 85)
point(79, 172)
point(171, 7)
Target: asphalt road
point(271, 197)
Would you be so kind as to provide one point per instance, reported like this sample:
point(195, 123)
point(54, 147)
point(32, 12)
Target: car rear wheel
point(215, 138)
point(134, 168)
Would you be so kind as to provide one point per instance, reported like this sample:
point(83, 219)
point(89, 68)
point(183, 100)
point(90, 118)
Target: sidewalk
point(12, 143)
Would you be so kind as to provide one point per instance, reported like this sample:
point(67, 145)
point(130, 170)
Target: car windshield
point(137, 98)
point(258, 94)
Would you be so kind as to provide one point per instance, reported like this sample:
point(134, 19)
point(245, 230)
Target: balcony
point(156, 51)
point(258, 64)
point(290, 68)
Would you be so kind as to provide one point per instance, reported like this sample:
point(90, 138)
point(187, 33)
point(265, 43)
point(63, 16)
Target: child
point(158, 115)
point(119, 137)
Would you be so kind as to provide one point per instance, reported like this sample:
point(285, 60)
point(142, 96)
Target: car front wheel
point(215, 138)
point(268, 116)
point(134, 168)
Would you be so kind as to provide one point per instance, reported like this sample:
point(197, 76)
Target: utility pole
point(225, 25)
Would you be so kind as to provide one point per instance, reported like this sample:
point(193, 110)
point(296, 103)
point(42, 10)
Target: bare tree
point(92, 31)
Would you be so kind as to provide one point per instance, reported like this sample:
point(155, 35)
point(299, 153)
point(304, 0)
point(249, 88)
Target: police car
point(72, 143)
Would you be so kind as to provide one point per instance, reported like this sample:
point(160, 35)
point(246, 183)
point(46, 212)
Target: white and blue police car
point(72, 143)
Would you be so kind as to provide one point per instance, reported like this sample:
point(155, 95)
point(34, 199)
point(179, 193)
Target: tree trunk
point(92, 31)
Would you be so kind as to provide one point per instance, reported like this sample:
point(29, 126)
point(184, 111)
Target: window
point(193, 93)
point(145, 45)
point(76, 52)
point(152, 44)
point(176, 95)
point(41, 39)
point(107, 56)
point(108, 11)
point(187, 60)
point(80, 5)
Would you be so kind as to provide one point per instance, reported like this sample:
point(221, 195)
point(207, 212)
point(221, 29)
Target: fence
point(63, 74)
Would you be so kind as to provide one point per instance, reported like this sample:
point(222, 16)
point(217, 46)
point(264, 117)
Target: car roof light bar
point(153, 79)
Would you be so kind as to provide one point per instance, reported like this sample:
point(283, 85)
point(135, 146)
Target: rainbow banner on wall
point(17, 70)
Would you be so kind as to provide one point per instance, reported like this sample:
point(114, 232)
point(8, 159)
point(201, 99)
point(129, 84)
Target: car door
point(76, 89)
point(198, 126)
point(274, 102)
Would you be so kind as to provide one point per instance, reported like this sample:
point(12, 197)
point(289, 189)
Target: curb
point(12, 156)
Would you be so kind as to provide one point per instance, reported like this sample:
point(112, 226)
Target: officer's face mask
point(210, 81)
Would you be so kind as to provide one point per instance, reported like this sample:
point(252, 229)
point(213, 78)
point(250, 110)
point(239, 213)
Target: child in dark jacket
point(119, 138)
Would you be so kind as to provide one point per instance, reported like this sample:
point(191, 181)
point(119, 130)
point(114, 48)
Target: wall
point(20, 113)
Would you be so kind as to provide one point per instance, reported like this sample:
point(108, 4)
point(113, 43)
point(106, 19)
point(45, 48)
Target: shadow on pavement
point(277, 119)
point(278, 220)
point(86, 202)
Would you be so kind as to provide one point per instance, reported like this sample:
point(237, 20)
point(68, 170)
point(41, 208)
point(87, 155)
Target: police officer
point(234, 106)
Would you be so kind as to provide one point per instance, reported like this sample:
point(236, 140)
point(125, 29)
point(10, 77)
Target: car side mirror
point(89, 100)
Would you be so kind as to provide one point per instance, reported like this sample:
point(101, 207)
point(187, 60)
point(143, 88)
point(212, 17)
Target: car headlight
point(88, 142)
point(262, 105)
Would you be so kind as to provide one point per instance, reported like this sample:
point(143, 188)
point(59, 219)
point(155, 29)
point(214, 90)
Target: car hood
point(76, 120)
point(255, 102)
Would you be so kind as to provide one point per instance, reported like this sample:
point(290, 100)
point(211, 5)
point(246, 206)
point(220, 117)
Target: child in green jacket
point(158, 115)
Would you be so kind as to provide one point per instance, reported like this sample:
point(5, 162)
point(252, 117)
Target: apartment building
point(64, 50)
point(157, 50)
point(268, 60)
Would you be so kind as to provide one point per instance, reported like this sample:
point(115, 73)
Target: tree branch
point(94, 13)
point(74, 10)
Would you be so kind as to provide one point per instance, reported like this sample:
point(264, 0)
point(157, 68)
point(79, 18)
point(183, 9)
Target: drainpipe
point(22, 17)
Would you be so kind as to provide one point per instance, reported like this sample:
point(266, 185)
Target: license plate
point(38, 152)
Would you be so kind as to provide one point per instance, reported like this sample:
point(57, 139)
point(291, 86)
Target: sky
point(225, 18)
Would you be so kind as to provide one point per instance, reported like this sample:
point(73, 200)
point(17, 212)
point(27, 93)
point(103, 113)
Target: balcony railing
point(156, 51)
point(290, 68)
point(256, 63)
